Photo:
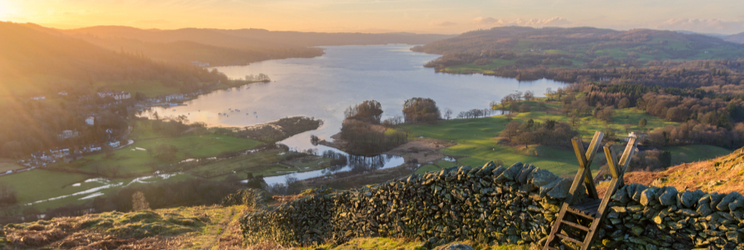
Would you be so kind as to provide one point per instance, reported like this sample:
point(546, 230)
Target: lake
point(323, 87)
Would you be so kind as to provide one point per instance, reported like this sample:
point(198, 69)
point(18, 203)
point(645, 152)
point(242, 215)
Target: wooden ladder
point(591, 212)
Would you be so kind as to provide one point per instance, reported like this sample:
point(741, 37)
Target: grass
point(135, 162)
point(266, 163)
point(693, 153)
point(39, 184)
point(9, 165)
point(403, 244)
point(200, 227)
point(477, 139)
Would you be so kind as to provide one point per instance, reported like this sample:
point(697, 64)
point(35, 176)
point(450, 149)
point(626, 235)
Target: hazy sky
point(420, 16)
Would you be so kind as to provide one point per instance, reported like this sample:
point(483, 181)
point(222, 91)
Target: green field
point(134, 161)
point(477, 140)
point(9, 165)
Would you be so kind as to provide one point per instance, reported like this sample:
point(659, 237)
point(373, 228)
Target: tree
point(529, 95)
point(7, 195)
point(524, 108)
point(419, 109)
point(448, 113)
point(257, 181)
point(139, 202)
point(367, 111)
point(623, 103)
point(642, 123)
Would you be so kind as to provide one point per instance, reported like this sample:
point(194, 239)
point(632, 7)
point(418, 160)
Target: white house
point(62, 93)
point(117, 95)
point(38, 98)
point(68, 134)
point(90, 120)
point(174, 97)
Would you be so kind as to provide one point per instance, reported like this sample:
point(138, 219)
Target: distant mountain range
point(735, 38)
point(586, 44)
point(37, 60)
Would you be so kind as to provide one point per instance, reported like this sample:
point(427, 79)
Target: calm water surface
point(323, 87)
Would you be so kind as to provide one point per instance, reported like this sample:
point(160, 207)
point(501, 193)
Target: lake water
point(323, 87)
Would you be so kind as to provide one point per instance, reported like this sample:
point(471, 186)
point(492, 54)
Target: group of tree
point(551, 133)
point(706, 119)
point(419, 109)
point(362, 132)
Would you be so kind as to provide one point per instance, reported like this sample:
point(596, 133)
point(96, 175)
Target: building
point(68, 134)
point(62, 93)
point(74, 157)
point(174, 97)
point(117, 95)
point(90, 120)
point(38, 98)
point(200, 64)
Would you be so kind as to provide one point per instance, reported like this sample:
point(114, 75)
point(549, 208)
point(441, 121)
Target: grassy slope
point(723, 175)
point(477, 140)
point(135, 161)
point(201, 227)
point(404, 244)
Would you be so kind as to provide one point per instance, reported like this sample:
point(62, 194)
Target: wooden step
point(577, 226)
point(565, 237)
point(579, 213)
point(589, 208)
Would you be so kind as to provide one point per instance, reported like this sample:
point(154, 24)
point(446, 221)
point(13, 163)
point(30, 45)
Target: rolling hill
point(723, 175)
point(584, 44)
point(38, 61)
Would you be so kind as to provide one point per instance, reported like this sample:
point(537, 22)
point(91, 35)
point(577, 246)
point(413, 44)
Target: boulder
point(669, 197)
point(560, 190)
point(541, 177)
point(727, 200)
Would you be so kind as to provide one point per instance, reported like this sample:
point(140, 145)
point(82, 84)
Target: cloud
point(443, 24)
point(703, 25)
point(535, 22)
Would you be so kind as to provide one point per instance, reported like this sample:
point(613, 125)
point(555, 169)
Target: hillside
point(582, 47)
point(723, 175)
point(231, 47)
point(38, 62)
point(735, 38)
point(200, 227)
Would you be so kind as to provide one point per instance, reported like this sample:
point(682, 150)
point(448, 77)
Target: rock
point(498, 171)
point(716, 198)
point(522, 179)
point(510, 173)
point(704, 209)
point(638, 192)
point(669, 197)
point(687, 199)
point(727, 200)
point(648, 196)
point(560, 190)
point(736, 204)
point(621, 195)
point(541, 177)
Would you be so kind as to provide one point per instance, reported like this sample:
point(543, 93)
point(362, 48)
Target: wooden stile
point(595, 210)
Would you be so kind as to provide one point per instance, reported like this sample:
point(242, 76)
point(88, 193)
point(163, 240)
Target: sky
point(418, 16)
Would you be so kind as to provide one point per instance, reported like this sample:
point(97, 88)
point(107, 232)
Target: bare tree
point(447, 113)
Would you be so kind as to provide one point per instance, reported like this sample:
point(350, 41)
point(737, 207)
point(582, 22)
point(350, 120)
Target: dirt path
point(221, 229)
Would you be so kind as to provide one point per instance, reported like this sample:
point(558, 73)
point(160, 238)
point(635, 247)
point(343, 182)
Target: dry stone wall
point(490, 204)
